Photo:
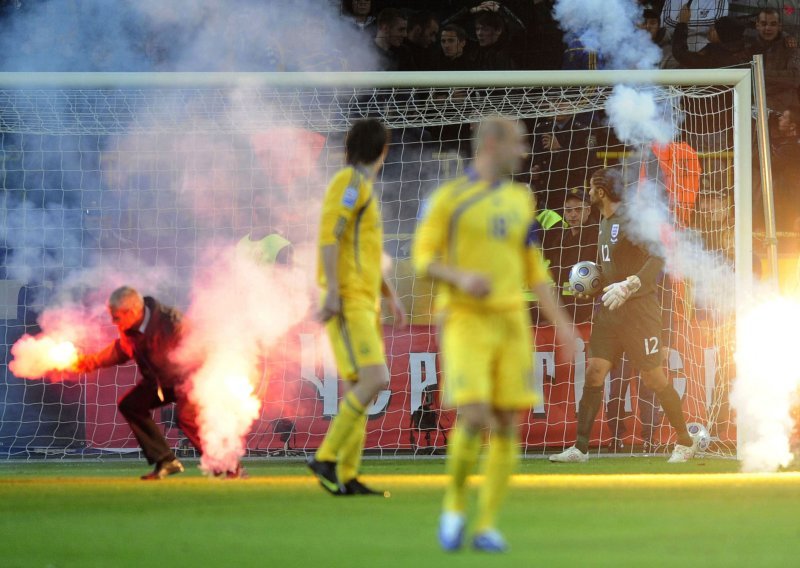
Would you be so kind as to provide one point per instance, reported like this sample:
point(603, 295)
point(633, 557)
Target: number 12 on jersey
point(650, 345)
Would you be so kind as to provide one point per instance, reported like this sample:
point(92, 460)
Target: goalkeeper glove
point(618, 293)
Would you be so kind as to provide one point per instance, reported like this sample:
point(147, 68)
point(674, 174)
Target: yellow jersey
point(475, 227)
point(351, 218)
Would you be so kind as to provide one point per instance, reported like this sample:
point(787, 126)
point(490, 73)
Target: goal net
point(134, 184)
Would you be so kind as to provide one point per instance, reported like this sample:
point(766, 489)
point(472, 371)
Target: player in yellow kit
point(475, 242)
point(351, 282)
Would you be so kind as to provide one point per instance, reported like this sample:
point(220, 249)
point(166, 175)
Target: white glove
point(617, 293)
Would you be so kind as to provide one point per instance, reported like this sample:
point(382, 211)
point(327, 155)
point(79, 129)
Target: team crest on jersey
point(350, 197)
point(614, 232)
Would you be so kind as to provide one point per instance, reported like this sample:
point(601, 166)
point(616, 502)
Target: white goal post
point(110, 164)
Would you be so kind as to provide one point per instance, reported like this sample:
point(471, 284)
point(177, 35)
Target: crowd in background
point(493, 35)
point(513, 35)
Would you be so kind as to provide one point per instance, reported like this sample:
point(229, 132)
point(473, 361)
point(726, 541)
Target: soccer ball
point(585, 278)
point(699, 433)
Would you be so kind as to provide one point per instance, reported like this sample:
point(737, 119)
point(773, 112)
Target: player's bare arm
point(475, 285)
point(332, 305)
point(395, 304)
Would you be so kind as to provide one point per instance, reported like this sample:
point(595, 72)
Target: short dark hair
point(651, 14)
point(491, 20)
point(389, 16)
point(610, 181)
point(769, 12)
point(365, 141)
point(461, 35)
point(347, 7)
point(421, 19)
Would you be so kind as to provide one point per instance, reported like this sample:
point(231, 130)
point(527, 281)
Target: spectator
point(725, 44)
point(714, 222)
point(390, 37)
point(785, 150)
point(781, 61)
point(577, 57)
point(360, 13)
point(544, 38)
point(676, 167)
point(561, 156)
point(706, 12)
point(661, 36)
point(423, 30)
point(491, 53)
point(453, 41)
point(566, 246)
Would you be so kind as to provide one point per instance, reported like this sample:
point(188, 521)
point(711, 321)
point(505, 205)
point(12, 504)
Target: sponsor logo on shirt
point(350, 197)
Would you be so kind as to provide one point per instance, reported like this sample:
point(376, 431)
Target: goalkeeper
point(349, 274)
point(629, 321)
point(475, 241)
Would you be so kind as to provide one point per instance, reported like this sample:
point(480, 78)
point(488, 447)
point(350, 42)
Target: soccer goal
point(133, 176)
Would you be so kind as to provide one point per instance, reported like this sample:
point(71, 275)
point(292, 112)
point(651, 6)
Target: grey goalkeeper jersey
point(620, 257)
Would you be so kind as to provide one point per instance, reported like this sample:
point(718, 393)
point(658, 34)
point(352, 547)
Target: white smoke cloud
point(637, 116)
point(610, 27)
point(651, 223)
point(42, 242)
point(183, 35)
point(160, 207)
point(239, 310)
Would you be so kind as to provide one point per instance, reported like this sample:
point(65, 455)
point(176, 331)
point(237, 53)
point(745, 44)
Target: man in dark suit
point(149, 332)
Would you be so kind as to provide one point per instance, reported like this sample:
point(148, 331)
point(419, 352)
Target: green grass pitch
point(609, 512)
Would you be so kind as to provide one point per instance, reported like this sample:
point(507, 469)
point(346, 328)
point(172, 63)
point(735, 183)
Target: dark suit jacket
point(151, 346)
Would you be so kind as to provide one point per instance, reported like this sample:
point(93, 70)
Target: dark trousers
point(136, 406)
point(621, 378)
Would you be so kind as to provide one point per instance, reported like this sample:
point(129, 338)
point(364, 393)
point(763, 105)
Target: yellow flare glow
point(526, 481)
point(63, 355)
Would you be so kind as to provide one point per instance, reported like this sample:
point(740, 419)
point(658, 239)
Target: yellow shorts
point(357, 340)
point(488, 358)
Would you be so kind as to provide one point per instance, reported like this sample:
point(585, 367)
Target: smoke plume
point(153, 188)
point(767, 376)
point(239, 309)
point(637, 117)
point(609, 27)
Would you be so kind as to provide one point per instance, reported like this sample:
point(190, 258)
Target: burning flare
point(239, 309)
point(767, 382)
point(35, 357)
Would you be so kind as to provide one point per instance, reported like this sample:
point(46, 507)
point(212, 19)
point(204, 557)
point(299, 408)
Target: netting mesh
point(102, 180)
point(215, 110)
